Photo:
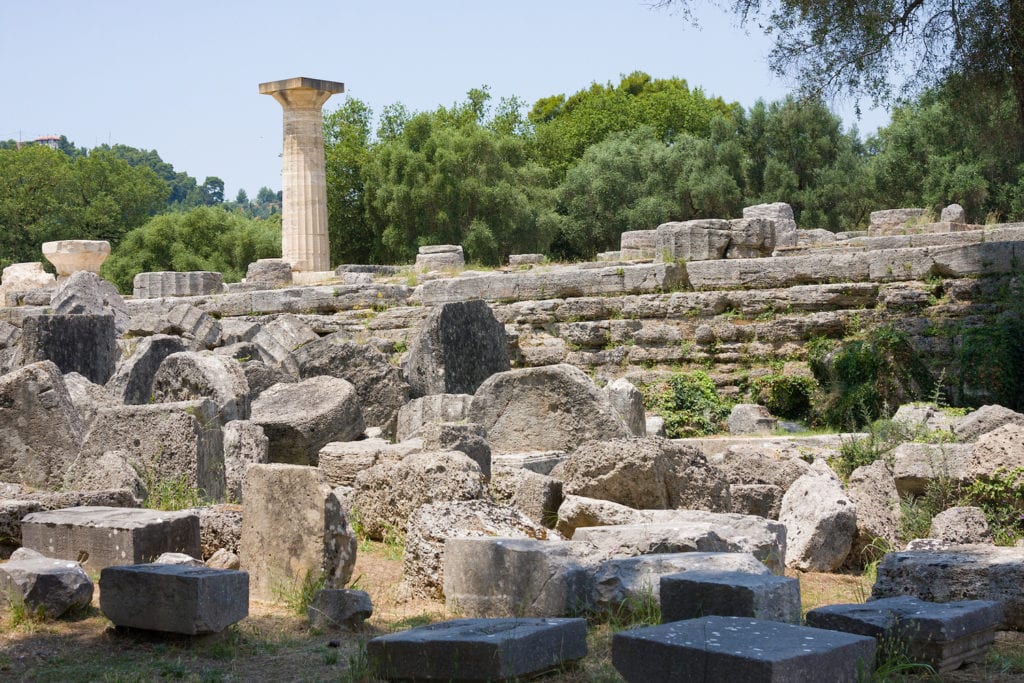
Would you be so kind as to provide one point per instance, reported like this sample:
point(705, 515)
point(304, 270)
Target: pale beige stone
point(304, 242)
point(71, 256)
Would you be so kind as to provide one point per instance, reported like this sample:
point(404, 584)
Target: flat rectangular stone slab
point(174, 598)
point(695, 594)
point(943, 635)
point(478, 649)
point(740, 649)
point(99, 537)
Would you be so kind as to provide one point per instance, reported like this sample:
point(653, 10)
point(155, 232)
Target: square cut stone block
point(99, 537)
point(695, 594)
point(741, 649)
point(174, 598)
point(478, 649)
point(942, 635)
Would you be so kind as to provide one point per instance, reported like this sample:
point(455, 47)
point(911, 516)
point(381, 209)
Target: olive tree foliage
point(204, 238)
point(456, 176)
point(885, 48)
point(347, 150)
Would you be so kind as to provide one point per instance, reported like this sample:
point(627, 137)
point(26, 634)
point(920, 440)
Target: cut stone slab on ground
point(478, 649)
point(736, 594)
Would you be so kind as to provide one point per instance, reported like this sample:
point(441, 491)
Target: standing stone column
point(304, 242)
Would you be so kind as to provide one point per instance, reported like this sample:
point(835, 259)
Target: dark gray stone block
point(478, 649)
point(942, 635)
point(83, 343)
point(461, 345)
point(740, 649)
point(695, 594)
point(340, 608)
point(54, 586)
point(174, 598)
point(99, 537)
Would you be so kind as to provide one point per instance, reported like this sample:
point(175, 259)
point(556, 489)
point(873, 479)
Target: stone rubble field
point(474, 447)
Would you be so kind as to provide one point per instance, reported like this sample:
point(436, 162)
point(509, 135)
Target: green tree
point(882, 48)
point(212, 190)
point(347, 150)
point(204, 238)
point(242, 198)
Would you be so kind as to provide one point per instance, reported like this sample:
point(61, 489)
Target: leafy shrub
point(882, 437)
point(1001, 496)
point(689, 404)
point(785, 396)
point(992, 362)
point(865, 378)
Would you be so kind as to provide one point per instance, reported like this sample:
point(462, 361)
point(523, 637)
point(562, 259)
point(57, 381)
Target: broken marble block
point(99, 537)
point(695, 594)
point(45, 585)
point(942, 635)
point(174, 598)
point(478, 649)
point(740, 649)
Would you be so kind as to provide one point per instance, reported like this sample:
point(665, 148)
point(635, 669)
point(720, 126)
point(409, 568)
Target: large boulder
point(301, 418)
point(459, 346)
point(47, 585)
point(649, 472)
point(87, 292)
point(577, 511)
point(189, 375)
point(872, 490)
point(132, 382)
point(821, 522)
point(628, 400)
point(40, 431)
point(433, 408)
point(1001, 449)
point(983, 420)
point(536, 495)
point(381, 389)
point(555, 407)
point(431, 525)
point(961, 525)
point(387, 494)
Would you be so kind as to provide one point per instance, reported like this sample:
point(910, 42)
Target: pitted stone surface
point(82, 343)
point(55, 586)
point(700, 593)
point(479, 649)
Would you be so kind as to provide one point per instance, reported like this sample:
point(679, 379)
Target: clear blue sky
point(181, 77)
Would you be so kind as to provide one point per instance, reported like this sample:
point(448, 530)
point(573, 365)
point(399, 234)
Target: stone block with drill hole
point(740, 649)
point(729, 594)
point(340, 608)
point(174, 598)
point(478, 649)
point(99, 537)
point(942, 635)
point(82, 343)
point(293, 528)
point(170, 283)
point(502, 577)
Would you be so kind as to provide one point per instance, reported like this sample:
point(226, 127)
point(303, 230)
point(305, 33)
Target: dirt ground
point(275, 644)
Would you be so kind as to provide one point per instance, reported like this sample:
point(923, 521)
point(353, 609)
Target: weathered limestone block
point(479, 649)
point(19, 277)
point(577, 511)
point(966, 572)
point(433, 408)
point(550, 408)
point(340, 608)
point(750, 418)
point(820, 521)
point(459, 346)
point(751, 238)
point(815, 236)
point(440, 257)
point(740, 649)
point(165, 441)
point(961, 525)
point(283, 550)
point(388, 493)
point(301, 418)
point(12, 511)
point(890, 221)
point(87, 292)
point(629, 402)
point(183, 320)
point(763, 500)
point(87, 397)
point(431, 525)
point(699, 240)
point(681, 531)
point(872, 490)
point(638, 244)
point(621, 582)
point(379, 385)
point(188, 376)
point(169, 283)
point(496, 577)
point(269, 272)
point(694, 594)
point(41, 583)
point(983, 420)
point(82, 343)
point(220, 528)
point(40, 431)
point(174, 598)
point(465, 437)
point(525, 259)
point(132, 383)
point(537, 496)
point(110, 471)
point(943, 636)
point(245, 445)
point(781, 214)
point(99, 537)
point(341, 461)
point(954, 213)
point(916, 464)
point(70, 256)
point(650, 472)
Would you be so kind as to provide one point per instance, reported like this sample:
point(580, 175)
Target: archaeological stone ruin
point(496, 424)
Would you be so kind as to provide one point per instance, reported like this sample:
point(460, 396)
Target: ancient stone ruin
point(497, 421)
